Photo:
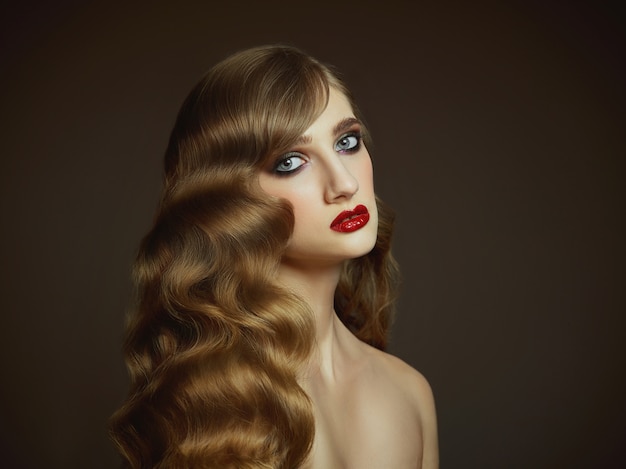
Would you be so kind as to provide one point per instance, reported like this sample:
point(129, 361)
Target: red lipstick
point(351, 220)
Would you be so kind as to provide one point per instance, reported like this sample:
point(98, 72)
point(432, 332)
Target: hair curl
point(215, 345)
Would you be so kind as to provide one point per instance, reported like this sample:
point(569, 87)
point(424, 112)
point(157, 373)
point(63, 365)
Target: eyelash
point(282, 159)
point(356, 147)
point(294, 154)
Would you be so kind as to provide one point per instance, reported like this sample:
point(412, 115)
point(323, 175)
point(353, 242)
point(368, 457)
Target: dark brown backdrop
point(499, 131)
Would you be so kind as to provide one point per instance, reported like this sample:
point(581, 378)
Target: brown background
point(500, 138)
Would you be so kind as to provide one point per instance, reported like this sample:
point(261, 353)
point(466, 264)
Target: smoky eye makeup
point(288, 163)
point(349, 142)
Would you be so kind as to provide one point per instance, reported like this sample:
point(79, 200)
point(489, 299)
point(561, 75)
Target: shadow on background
point(499, 138)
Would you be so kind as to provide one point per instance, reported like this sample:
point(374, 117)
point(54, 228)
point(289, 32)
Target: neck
point(316, 286)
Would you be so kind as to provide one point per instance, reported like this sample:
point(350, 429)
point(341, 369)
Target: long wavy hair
point(214, 346)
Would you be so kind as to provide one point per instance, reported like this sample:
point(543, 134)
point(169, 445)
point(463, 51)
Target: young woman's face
point(327, 177)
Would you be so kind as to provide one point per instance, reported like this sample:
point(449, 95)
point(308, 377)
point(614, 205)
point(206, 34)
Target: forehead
point(337, 109)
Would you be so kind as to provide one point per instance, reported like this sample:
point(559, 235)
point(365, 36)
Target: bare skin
point(372, 411)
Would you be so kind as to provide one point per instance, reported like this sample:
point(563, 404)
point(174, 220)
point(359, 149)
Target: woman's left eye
point(349, 143)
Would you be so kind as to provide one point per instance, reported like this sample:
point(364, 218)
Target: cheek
point(283, 190)
point(303, 211)
point(365, 175)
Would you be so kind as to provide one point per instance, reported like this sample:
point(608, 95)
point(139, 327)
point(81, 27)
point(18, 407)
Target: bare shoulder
point(405, 377)
point(414, 393)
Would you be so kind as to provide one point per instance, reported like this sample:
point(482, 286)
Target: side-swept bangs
point(247, 108)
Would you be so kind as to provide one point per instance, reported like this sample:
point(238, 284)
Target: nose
point(340, 183)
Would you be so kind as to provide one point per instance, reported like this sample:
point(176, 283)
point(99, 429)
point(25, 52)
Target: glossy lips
point(351, 220)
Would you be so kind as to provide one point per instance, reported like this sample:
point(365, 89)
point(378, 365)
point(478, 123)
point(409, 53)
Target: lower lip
point(354, 223)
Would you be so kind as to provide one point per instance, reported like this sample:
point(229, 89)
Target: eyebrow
point(345, 124)
point(341, 126)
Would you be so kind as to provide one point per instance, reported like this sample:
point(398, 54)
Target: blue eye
point(349, 143)
point(288, 163)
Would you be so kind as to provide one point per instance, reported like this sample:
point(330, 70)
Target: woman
point(265, 287)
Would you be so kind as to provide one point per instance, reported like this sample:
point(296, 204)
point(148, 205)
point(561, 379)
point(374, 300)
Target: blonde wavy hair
point(214, 345)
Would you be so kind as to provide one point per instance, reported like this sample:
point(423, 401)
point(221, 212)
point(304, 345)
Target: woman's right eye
point(288, 163)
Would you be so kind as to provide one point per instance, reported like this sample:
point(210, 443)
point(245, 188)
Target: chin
point(361, 249)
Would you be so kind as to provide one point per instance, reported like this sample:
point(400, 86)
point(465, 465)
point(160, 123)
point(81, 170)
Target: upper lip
point(346, 214)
